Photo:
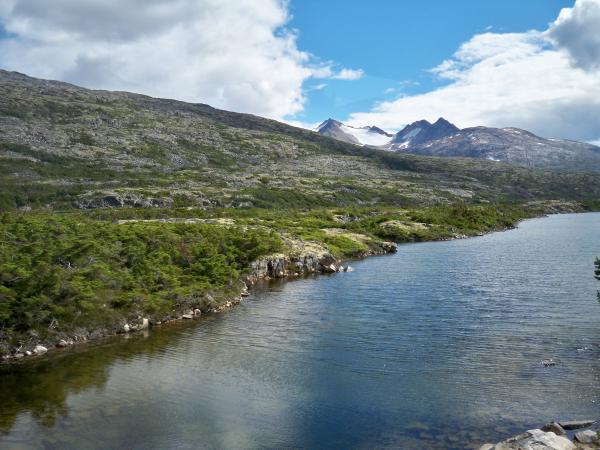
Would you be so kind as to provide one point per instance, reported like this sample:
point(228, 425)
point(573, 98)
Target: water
point(438, 346)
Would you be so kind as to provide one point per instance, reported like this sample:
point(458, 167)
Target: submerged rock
point(576, 424)
point(548, 362)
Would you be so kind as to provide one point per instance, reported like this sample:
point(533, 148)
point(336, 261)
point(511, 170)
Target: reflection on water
point(438, 346)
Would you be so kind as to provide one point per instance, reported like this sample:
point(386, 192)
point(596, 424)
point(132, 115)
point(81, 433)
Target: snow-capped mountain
point(442, 138)
point(369, 135)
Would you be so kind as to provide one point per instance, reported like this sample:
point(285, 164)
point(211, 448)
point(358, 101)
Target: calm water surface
point(438, 346)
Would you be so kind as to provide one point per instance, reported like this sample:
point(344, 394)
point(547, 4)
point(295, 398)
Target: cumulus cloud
point(233, 55)
point(577, 31)
point(525, 80)
point(348, 74)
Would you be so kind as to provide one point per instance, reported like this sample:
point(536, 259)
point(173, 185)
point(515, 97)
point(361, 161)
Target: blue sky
point(396, 42)
point(532, 64)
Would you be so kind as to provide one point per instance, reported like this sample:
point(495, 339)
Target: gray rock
point(535, 440)
point(486, 447)
point(331, 268)
point(548, 362)
point(197, 312)
point(187, 316)
point(62, 343)
point(576, 424)
point(126, 328)
point(19, 355)
point(145, 324)
point(40, 349)
point(587, 437)
point(555, 428)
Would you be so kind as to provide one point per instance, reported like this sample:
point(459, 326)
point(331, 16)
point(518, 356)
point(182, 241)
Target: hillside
point(120, 210)
point(64, 146)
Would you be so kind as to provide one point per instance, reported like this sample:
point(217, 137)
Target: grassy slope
point(63, 147)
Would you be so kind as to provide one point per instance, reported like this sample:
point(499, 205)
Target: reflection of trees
point(41, 387)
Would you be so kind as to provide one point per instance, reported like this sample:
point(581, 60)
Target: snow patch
point(365, 136)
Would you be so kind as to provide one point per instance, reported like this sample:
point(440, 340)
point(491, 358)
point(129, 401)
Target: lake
point(437, 346)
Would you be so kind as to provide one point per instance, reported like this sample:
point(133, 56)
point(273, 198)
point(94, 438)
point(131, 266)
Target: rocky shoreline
point(308, 261)
point(558, 435)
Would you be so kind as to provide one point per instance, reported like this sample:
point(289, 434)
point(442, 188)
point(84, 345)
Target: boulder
point(555, 428)
point(331, 268)
point(126, 328)
point(62, 343)
point(197, 312)
point(187, 316)
point(587, 437)
point(535, 440)
point(39, 350)
point(145, 324)
point(576, 424)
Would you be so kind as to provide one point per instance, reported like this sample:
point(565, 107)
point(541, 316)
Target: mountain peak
point(422, 131)
point(329, 123)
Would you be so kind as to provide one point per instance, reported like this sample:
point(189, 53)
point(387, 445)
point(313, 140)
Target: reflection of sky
point(442, 340)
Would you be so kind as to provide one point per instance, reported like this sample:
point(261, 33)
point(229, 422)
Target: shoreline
point(281, 267)
point(286, 267)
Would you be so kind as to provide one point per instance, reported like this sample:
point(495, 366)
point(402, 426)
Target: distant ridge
point(442, 138)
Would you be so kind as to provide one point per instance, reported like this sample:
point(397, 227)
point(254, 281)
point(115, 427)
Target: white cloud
point(510, 79)
point(348, 74)
point(233, 55)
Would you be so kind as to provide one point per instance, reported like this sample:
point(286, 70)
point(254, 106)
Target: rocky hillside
point(509, 145)
point(63, 146)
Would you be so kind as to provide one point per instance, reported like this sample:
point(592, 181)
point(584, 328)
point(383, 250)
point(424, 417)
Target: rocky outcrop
point(283, 266)
point(552, 436)
point(533, 440)
point(128, 199)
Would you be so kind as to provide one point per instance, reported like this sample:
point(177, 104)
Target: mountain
point(369, 135)
point(510, 145)
point(63, 146)
point(421, 132)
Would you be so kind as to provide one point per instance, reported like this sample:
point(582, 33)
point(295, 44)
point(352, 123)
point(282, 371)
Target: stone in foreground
point(533, 440)
point(555, 428)
point(587, 437)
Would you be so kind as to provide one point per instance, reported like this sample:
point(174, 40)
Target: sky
point(532, 64)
